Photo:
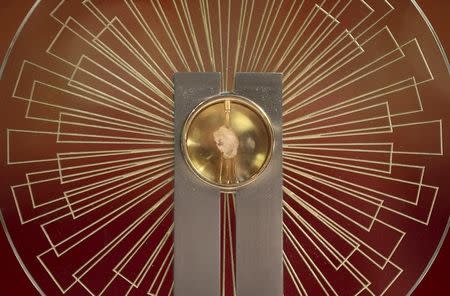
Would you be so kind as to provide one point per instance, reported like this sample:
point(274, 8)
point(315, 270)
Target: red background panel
point(13, 281)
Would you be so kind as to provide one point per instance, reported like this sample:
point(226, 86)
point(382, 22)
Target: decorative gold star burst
point(94, 180)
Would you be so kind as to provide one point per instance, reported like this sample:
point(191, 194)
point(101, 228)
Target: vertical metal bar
point(259, 267)
point(197, 205)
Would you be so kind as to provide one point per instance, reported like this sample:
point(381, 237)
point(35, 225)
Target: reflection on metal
point(229, 143)
point(259, 206)
point(197, 219)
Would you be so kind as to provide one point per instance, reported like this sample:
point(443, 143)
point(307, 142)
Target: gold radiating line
point(195, 53)
point(139, 17)
point(223, 245)
point(228, 204)
point(244, 45)
point(247, 57)
point(168, 29)
point(227, 58)
point(219, 15)
point(262, 42)
point(242, 13)
point(258, 33)
point(281, 35)
point(204, 7)
point(231, 197)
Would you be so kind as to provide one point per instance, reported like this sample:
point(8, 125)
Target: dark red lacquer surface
point(86, 120)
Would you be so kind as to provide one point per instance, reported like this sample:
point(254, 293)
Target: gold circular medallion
point(227, 141)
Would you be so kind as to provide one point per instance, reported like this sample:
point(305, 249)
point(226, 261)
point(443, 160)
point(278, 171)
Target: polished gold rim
point(234, 172)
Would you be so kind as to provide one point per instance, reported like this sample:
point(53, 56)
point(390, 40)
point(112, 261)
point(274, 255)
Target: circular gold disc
point(227, 141)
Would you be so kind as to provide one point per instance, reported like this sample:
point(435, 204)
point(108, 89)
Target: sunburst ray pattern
point(98, 179)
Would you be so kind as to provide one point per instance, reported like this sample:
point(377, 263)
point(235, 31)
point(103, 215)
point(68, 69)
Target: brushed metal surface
point(197, 208)
point(259, 245)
